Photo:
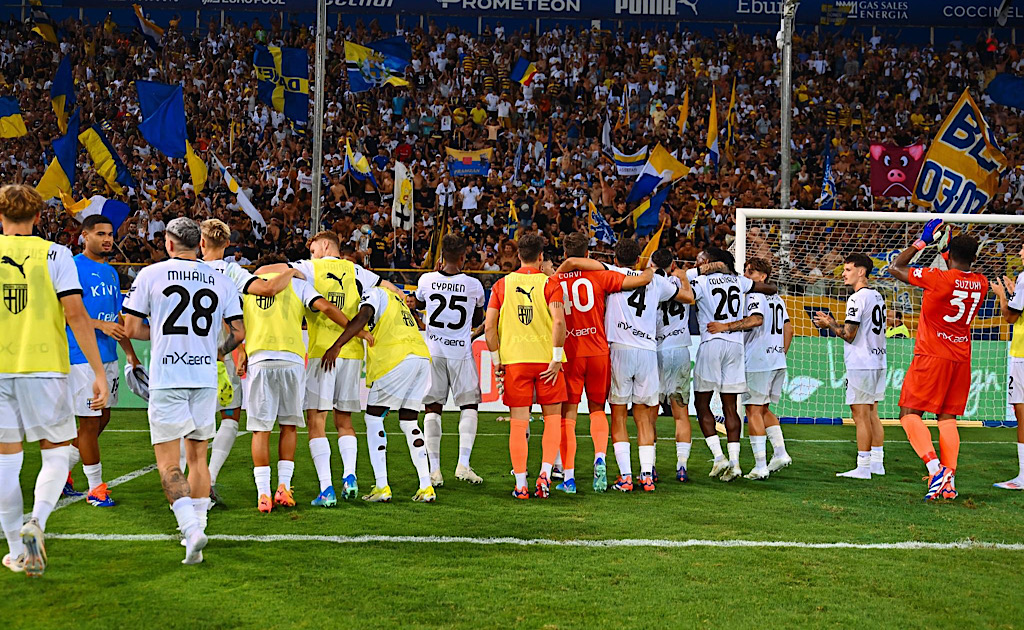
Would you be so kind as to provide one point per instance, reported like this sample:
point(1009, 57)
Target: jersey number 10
point(581, 289)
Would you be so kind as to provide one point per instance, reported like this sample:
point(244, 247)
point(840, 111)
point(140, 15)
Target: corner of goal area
point(807, 251)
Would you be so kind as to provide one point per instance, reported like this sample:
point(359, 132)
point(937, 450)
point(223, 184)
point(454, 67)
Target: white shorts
point(36, 408)
point(764, 388)
point(675, 368)
point(274, 395)
point(182, 413)
point(236, 384)
point(80, 383)
point(865, 387)
point(720, 367)
point(460, 376)
point(1016, 386)
point(337, 389)
point(634, 376)
point(403, 387)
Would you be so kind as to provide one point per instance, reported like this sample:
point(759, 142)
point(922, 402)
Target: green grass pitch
point(425, 583)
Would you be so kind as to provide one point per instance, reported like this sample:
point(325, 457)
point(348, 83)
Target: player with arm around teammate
point(40, 291)
point(102, 298)
point(720, 361)
point(864, 356)
point(215, 238)
point(1011, 305)
point(454, 302)
point(185, 301)
point(398, 375)
point(939, 377)
point(765, 349)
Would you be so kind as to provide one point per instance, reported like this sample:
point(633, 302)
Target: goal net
point(807, 249)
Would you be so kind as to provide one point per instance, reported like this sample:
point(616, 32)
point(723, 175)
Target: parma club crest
point(336, 298)
point(264, 302)
point(15, 297)
point(525, 314)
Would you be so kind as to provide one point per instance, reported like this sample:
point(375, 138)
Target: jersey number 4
point(455, 303)
point(204, 303)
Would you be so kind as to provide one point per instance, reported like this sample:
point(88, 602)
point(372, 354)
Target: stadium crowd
point(848, 90)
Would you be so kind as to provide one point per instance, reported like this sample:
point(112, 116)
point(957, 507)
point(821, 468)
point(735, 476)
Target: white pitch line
point(135, 474)
point(548, 542)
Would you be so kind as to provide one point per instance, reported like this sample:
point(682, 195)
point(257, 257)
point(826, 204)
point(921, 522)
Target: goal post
point(806, 249)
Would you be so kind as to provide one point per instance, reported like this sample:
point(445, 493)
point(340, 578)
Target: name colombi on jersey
point(190, 276)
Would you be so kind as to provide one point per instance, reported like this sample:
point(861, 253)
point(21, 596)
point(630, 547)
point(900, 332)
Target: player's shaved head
point(531, 246)
point(20, 203)
point(720, 255)
point(963, 249)
point(216, 233)
point(576, 245)
point(760, 265)
point(627, 252)
point(453, 248)
point(860, 260)
point(662, 258)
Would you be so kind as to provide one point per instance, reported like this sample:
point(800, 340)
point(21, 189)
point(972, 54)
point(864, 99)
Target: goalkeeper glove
point(932, 232)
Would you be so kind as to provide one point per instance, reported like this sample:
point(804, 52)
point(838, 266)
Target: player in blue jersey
point(102, 297)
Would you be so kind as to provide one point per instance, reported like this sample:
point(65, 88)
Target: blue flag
point(827, 201)
point(1007, 90)
point(163, 125)
point(645, 216)
point(62, 93)
point(377, 63)
point(283, 81)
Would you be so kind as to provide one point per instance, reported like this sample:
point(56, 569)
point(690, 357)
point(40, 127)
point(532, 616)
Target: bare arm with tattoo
point(847, 332)
point(748, 322)
point(236, 328)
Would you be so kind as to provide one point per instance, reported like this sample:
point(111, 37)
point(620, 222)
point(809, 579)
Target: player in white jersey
point(215, 237)
point(185, 301)
point(454, 304)
point(864, 356)
point(631, 322)
point(765, 347)
point(674, 363)
point(719, 365)
point(1011, 307)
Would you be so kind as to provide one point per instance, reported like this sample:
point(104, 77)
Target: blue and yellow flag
point(730, 121)
point(163, 126)
point(62, 93)
point(12, 125)
point(645, 216)
point(598, 225)
point(106, 160)
point(42, 24)
point(463, 163)
point(282, 76)
point(153, 34)
point(116, 211)
point(60, 174)
point(712, 142)
point(512, 227)
point(523, 72)
point(377, 63)
point(650, 248)
point(359, 168)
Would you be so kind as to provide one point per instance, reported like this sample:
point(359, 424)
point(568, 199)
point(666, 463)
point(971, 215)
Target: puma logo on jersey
point(526, 293)
point(331, 276)
point(7, 260)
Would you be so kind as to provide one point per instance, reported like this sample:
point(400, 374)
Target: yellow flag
point(684, 113)
point(197, 167)
point(650, 248)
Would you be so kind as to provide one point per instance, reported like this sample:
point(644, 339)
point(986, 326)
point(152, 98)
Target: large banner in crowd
point(888, 13)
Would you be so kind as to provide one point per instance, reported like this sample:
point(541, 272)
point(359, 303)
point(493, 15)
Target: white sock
point(734, 453)
point(520, 483)
point(621, 450)
point(933, 466)
point(570, 473)
point(546, 468)
point(50, 482)
point(774, 433)
point(877, 454)
point(262, 476)
point(682, 453)
point(864, 459)
point(1020, 458)
point(182, 458)
point(202, 508)
point(432, 432)
point(74, 458)
point(377, 443)
point(320, 451)
point(285, 470)
point(221, 447)
point(758, 445)
point(11, 501)
point(417, 450)
point(185, 513)
point(347, 446)
point(601, 455)
point(646, 459)
point(558, 460)
point(467, 434)
point(94, 474)
point(715, 444)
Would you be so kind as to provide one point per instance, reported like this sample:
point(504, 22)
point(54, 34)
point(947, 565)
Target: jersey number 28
point(204, 303)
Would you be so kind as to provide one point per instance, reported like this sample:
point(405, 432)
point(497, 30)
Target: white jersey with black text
point(866, 307)
point(631, 317)
point(764, 345)
point(673, 329)
point(236, 273)
point(451, 301)
point(186, 302)
point(719, 298)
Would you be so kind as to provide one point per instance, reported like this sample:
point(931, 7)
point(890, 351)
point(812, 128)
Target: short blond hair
point(216, 232)
point(20, 202)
